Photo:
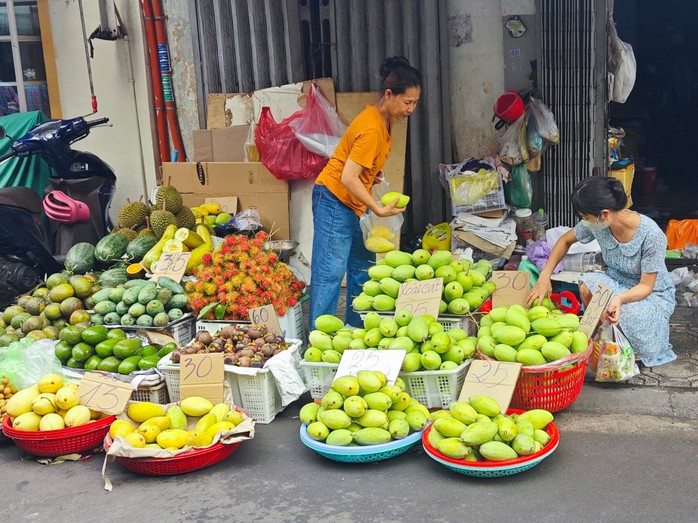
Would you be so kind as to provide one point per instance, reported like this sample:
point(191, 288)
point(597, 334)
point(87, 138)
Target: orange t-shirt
point(367, 142)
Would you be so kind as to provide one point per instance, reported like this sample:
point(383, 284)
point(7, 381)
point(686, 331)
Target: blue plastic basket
point(367, 454)
point(490, 472)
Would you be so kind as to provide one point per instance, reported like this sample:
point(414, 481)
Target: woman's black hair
point(398, 75)
point(598, 193)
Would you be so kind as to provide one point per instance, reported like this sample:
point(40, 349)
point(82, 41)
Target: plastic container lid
point(523, 213)
point(541, 217)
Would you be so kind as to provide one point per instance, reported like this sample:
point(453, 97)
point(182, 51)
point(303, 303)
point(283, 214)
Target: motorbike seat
point(21, 197)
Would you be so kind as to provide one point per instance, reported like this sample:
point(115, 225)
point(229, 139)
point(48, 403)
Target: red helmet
point(60, 207)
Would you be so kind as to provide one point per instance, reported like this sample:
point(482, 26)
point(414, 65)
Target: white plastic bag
point(622, 65)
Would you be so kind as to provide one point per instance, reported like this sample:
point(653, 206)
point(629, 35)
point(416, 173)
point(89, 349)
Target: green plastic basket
point(366, 454)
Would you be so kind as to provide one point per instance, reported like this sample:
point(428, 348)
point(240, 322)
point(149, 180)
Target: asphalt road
point(626, 454)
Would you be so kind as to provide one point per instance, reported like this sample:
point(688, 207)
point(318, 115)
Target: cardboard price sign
point(388, 362)
point(201, 375)
point(496, 379)
point(420, 297)
point(267, 316)
point(513, 287)
point(595, 310)
point(109, 395)
point(172, 265)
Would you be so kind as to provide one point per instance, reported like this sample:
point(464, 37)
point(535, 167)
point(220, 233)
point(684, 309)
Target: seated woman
point(633, 248)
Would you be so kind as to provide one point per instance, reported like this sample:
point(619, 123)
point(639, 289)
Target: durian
point(146, 232)
point(168, 198)
point(160, 219)
point(132, 214)
point(185, 218)
point(129, 233)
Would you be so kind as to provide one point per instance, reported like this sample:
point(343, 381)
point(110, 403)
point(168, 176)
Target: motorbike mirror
point(3, 134)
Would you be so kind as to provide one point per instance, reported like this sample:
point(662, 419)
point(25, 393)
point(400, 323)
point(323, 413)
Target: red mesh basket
point(553, 387)
point(190, 461)
point(52, 443)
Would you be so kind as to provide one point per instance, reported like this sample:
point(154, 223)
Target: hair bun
point(618, 191)
point(391, 63)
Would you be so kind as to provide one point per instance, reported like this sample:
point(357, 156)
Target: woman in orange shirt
point(342, 192)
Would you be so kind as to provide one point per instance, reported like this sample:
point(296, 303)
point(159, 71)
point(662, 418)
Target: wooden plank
point(226, 51)
point(243, 48)
point(343, 39)
point(209, 47)
point(393, 28)
point(275, 42)
point(291, 33)
point(258, 42)
point(359, 51)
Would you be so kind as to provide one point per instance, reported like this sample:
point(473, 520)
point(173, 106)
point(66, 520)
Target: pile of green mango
point(531, 337)
point(428, 346)
point(465, 284)
point(477, 430)
point(109, 350)
point(364, 410)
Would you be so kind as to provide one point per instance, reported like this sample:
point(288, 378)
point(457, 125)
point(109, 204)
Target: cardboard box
point(250, 182)
point(220, 145)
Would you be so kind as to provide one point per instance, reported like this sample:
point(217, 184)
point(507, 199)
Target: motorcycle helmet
point(60, 207)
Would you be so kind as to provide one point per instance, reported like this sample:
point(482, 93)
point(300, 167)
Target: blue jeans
point(338, 248)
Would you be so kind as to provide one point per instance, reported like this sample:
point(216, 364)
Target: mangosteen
point(277, 351)
point(254, 334)
point(176, 355)
point(257, 364)
point(245, 329)
point(228, 359)
point(204, 337)
point(244, 361)
point(228, 331)
point(246, 353)
point(239, 346)
point(267, 350)
point(270, 337)
point(280, 339)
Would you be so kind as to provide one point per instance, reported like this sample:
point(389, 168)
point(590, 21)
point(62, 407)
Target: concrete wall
point(128, 145)
point(477, 73)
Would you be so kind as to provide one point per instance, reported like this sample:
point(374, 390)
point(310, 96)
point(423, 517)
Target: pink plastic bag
point(280, 149)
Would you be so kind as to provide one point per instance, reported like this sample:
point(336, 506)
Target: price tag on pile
point(104, 394)
point(172, 265)
point(388, 362)
point(201, 375)
point(513, 287)
point(595, 310)
point(266, 315)
point(420, 297)
point(496, 379)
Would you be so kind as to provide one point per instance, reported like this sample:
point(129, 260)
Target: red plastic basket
point(195, 459)
point(573, 308)
point(493, 469)
point(52, 443)
point(552, 387)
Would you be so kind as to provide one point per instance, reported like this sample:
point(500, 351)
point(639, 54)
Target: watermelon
point(137, 248)
point(113, 277)
point(80, 258)
point(111, 247)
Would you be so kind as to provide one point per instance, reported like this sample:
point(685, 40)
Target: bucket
point(583, 262)
point(648, 182)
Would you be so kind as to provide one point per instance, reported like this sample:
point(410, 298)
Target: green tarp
point(33, 171)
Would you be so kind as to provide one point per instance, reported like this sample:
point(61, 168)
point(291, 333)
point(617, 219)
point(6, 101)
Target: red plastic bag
point(282, 152)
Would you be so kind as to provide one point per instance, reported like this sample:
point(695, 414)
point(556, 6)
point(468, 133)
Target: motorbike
point(27, 252)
